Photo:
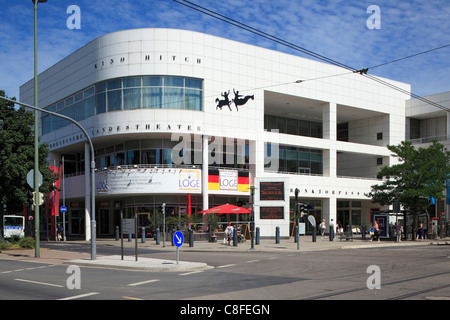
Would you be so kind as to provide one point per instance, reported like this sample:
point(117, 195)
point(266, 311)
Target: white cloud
point(333, 28)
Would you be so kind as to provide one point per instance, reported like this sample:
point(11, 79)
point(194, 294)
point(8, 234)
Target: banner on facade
point(155, 180)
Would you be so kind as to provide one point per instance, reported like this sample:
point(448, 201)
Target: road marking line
point(251, 261)
point(142, 282)
point(33, 268)
point(131, 298)
point(80, 296)
point(43, 283)
point(273, 258)
point(189, 273)
point(225, 266)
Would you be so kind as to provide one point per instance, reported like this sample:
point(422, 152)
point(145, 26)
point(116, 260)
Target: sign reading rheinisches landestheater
point(126, 128)
point(138, 127)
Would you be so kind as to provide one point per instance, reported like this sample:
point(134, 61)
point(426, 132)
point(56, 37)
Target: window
point(114, 100)
point(300, 160)
point(152, 98)
point(380, 136)
point(131, 99)
point(127, 93)
point(173, 98)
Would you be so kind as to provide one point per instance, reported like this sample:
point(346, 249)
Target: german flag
point(243, 180)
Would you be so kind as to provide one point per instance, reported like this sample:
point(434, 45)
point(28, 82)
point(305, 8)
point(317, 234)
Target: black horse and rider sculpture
point(238, 101)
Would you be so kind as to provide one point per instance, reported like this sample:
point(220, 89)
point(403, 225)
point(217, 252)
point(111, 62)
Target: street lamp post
point(36, 138)
point(252, 223)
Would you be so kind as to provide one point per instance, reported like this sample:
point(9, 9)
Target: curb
point(143, 264)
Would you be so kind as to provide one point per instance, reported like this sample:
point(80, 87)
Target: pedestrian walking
point(59, 231)
point(229, 233)
point(322, 228)
point(376, 231)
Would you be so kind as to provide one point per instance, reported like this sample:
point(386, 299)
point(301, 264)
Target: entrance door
point(343, 218)
point(76, 222)
point(104, 221)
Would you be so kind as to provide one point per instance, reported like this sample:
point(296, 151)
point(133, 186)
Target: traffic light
point(30, 198)
point(301, 208)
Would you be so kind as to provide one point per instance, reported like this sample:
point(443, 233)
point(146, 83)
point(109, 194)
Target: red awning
point(226, 208)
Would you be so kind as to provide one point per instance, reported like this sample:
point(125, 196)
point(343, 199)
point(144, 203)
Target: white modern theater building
point(176, 114)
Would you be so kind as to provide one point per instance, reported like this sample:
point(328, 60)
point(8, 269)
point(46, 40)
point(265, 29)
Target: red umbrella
point(226, 208)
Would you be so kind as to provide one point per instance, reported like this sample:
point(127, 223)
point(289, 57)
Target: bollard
point(117, 233)
point(314, 234)
point(235, 238)
point(129, 237)
point(347, 233)
point(157, 236)
point(277, 234)
point(143, 235)
point(191, 238)
point(257, 236)
point(296, 234)
point(363, 231)
point(331, 233)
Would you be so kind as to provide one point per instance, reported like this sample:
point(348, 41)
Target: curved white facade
point(334, 126)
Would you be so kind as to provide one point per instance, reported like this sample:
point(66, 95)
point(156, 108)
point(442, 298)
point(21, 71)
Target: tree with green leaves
point(17, 156)
point(419, 176)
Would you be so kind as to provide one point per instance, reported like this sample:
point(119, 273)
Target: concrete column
point(329, 210)
point(205, 192)
point(329, 127)
point(329, 121)
point(87, 192)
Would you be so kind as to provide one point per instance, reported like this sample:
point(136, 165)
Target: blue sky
point(333, 28)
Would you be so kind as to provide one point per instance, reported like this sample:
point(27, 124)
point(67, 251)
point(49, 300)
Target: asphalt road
point(411, 273)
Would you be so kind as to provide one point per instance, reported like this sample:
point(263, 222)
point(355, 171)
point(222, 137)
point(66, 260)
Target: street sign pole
point(178, 240)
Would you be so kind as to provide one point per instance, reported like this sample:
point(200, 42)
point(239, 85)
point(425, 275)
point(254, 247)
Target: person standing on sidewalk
point(331, 230)
point(420, 232)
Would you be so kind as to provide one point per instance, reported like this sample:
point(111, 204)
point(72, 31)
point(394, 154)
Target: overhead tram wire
point(265, 35)
point(410, 56)
point(261, 33)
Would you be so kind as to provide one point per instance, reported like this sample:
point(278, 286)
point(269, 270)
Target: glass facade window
point(158, 153)
point(147, 92)
point(293, 126)
point(299, 160)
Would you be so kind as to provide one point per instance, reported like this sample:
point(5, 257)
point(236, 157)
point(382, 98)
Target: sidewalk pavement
point(56, 256)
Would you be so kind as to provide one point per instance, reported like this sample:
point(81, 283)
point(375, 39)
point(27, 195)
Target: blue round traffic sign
point(178, 239)
point(63, 209)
